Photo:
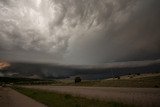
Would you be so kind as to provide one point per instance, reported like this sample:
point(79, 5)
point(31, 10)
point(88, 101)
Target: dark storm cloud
point(79, 31)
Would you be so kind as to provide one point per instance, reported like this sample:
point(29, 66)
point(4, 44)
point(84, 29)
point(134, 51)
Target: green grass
point(152, 82)
point(53, 99)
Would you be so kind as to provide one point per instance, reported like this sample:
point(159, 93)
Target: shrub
point(77, 79)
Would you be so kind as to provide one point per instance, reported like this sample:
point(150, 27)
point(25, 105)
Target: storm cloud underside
point(79, 31)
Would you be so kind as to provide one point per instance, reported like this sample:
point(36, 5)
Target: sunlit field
point(149, 80)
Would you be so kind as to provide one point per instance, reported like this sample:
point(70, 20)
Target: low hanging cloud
point(79, 31)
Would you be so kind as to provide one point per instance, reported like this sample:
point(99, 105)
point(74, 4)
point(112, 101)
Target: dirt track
point(11, 98)
point(147, 97)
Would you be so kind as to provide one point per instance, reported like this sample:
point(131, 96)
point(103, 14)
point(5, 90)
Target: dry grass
point(152, 81)
point(52, 99)
point(146, 97)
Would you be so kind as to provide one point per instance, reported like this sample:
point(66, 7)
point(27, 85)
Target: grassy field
point(149, 81)
point(52, 99)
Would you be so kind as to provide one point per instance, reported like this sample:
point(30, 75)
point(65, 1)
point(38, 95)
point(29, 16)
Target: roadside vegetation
point(54, 99)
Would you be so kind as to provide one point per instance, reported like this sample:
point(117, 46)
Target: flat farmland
point(146, 97)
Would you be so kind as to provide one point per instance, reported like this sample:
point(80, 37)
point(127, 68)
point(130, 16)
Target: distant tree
point(118, 77)
point(137, 73)
point(131, 76)
point(156, 86)
point(77, 80)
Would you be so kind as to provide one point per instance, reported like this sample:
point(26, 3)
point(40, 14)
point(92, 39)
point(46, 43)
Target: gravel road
point(11, 98)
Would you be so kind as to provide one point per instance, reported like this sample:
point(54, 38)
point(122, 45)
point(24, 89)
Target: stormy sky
point(79, 31)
